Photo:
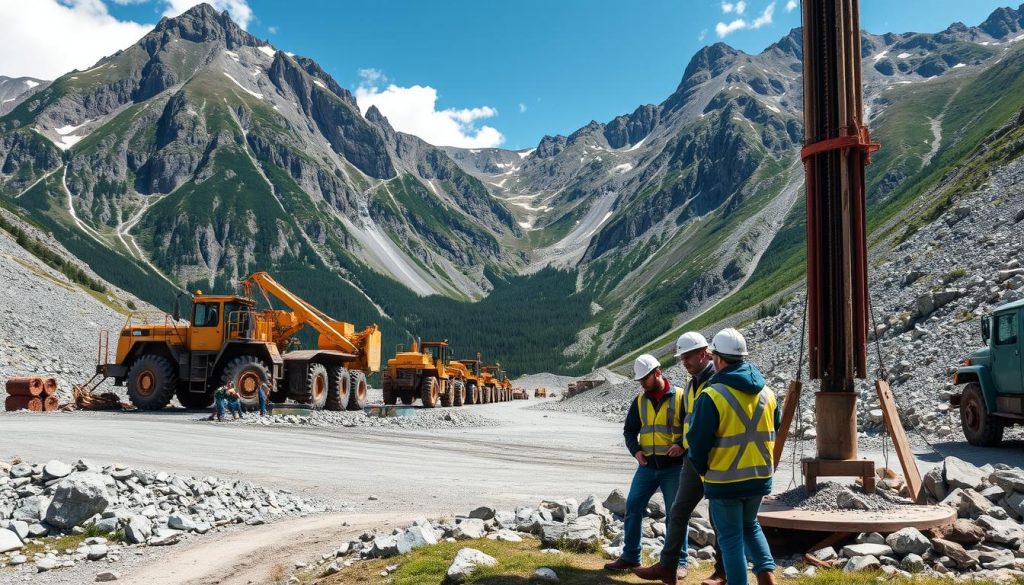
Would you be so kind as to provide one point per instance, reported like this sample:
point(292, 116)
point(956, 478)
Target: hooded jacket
point(746, 378)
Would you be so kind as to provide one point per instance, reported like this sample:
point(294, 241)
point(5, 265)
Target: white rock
point(466, 562)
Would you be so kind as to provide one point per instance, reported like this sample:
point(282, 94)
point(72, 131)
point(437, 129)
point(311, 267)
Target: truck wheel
point(472, 395)
point(151, 382)
point(248, 372)
point(460, 393)
point(429, 392)
point(338, 382)
point(357, 390)
point(980, 427)
point(194, 400)
point(390, 397)
point(316, 385)
point(407, 397)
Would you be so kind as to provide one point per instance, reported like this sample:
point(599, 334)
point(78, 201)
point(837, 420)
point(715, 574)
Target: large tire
point(317, 383)
point(980, 427)
point(407, 397)
point(151, 382)
point(430, 391)
point(194, 400)
point(447, 393)
point(460, 393)
point(472, 393)
point(357, 390)
point(390, 395)
point(338, 383)
point(247, 372)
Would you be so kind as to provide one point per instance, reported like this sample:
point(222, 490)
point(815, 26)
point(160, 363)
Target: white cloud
point(239, 10)
point(741, 7)
point(728, 7)
point(414, 110)
point(522, 107)
point(272, 30)
point(791, 5)
point(722, 29)
point(703, 35)
point(47, 38)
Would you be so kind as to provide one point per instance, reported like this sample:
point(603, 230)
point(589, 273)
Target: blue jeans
point(646, 481)
point(740, 537)
point(220, 407)
point(263, 401)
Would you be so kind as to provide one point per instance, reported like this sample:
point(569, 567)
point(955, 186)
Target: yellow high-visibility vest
point(691, 398)
point(660, 428)
point(745, 438)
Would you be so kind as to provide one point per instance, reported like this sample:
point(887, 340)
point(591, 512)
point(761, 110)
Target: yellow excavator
point(423, 372)
point(227, 338)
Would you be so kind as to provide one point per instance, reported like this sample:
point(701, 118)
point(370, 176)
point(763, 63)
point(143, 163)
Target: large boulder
point(415, 537)
point(79, 497)
point(954, 551)
point(56, 469)
point(616, 502)
point(1001, 531)
point(138, 529)
point(961, 474)
point(384, 547)
point(469, 529)
point(935, 485)
point(9, 540)
point(1011, 480)
point(973, 504)
point(866, 549)
point(31, 509)
point(580, 533)
point(908, 541)
point(466, 562)
point(561, 509)
point(964, 532)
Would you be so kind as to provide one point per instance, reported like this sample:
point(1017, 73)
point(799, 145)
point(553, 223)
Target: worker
point(234, 403)
point(731, 439)
point(654, 436)
point(220, 398)
point(262, 393)
point(693, 353)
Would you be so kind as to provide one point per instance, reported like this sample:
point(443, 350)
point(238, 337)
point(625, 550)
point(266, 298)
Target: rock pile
point(436, 418)
point(123, 507)
point(567, 524)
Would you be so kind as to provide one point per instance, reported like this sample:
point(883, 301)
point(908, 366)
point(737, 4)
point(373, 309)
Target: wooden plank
point(789, 405)
point(911, 473)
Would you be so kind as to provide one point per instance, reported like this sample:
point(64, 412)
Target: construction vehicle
point(470, 372)
point(993, 378)
point(228, 339)
point(423, 372)
point(520, 394)
point(490, 383)
point(540, 392)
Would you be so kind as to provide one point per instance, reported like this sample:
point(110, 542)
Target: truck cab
point(993, 378)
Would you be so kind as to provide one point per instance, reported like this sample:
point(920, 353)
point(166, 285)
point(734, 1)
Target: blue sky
point(485, 72)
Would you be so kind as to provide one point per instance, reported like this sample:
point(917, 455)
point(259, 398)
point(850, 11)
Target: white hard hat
point(644, 365)
point(690, 341)
point(729, 342)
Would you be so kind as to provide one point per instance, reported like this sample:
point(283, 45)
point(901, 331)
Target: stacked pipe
point(837, 148)
point(31, 393)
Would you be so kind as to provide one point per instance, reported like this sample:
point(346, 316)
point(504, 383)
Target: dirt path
point(253, 555)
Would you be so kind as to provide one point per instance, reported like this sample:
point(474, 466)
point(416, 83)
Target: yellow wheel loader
point(226, 338)
point(423, 373)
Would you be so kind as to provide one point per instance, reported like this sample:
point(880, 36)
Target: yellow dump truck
point(423, 372)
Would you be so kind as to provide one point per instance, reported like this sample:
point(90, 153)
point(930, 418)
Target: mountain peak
point(1004, 21)
point(711, 61)
point(202, 23)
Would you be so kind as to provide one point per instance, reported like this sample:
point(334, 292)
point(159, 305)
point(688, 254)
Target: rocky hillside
point(50, 321)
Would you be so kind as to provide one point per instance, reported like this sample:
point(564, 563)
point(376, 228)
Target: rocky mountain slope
point(14, 90)
point(202, 153)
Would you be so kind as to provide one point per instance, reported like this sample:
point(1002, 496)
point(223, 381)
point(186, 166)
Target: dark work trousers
point(691, 491)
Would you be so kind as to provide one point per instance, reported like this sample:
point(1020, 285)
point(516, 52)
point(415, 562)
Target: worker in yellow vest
point(731, 438)
point(693, 353)
point(653, 432)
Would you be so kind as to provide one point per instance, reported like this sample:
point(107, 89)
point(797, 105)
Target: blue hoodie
point(746, 378)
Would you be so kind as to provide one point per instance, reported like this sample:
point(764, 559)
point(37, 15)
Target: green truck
point(993, 378)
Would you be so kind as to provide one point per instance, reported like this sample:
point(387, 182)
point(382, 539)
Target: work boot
point(620, 564)
point(659, 572)
point(716, 578)
point(766, 578)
